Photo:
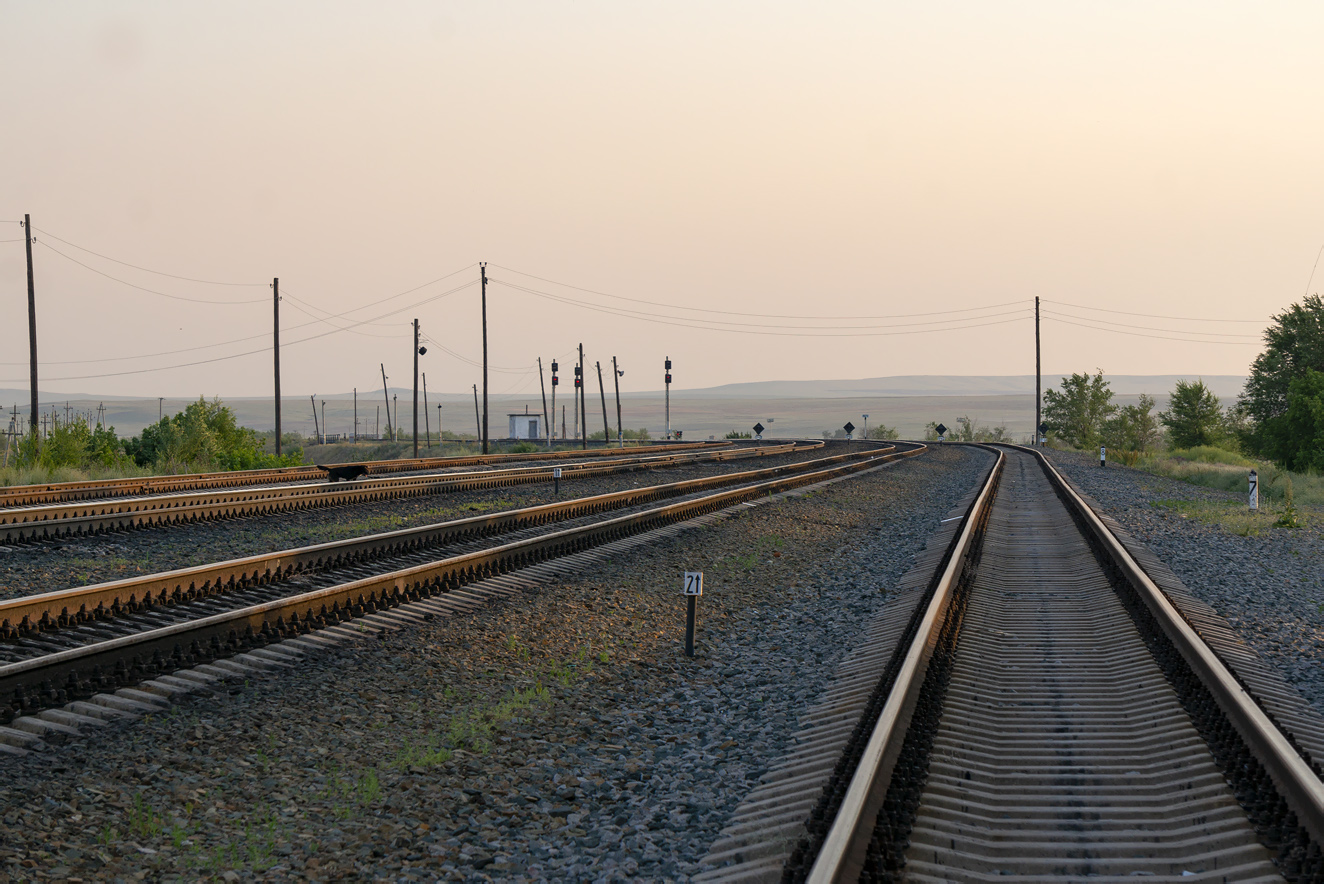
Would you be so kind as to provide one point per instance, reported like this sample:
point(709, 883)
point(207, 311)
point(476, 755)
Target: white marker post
point(556, 480)
point(1103, 456)
point(692, 589)
point(1254, 490)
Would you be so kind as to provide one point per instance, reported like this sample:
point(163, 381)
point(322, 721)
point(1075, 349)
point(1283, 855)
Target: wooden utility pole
point(275, 339)
point(602, 392)
point(482, 268)
point(416, 388)
point(427, 426)
point(32, 327)
point(317, 430)
point(160, 408)
point(582, 403)
point(543, 386)
point(1038, 382)
point(616, 379)
point(387, 396)
point(477, 420)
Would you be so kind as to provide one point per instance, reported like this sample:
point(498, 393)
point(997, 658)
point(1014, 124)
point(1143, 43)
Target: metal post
point(387, 396)
point(581, 403)
point(275, 347)
point(542, 386)
point(323, 421)
point(32, 328)
point(690, 611)
point(395, 417)
point(602, 392)
point(355, 437)
point(668, 382)
point(482, 267)
point(415, 388)
point(1038, 382)
point(427, 426)
point(477, 420)
point(317, 431)
point(616, 379)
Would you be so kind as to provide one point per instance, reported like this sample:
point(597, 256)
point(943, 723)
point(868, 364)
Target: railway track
point(118, 513)
point(1036, 706)
point(98, 489)
point(69, 645)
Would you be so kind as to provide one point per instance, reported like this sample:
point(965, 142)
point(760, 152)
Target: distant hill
point(956, 385)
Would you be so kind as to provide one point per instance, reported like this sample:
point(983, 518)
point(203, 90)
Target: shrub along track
point(1044, 710)
point(46, 670)
point(27, 523)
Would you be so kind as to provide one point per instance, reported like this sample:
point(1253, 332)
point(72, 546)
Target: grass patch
point(1229, 471)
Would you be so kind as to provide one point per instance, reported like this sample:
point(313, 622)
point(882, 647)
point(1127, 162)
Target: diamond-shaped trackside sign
point(758, 428)
point(849, 428)
point(942, 431)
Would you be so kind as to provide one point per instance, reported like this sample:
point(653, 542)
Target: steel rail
point(58, 492)
point(841, 857)
point(28, 523)
point(67, 607)
point(1297, 783)
point(126, 659)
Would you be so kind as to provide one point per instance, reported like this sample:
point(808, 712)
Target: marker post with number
point(691, 589)
point(556, 480)
point(1103, 456)
point(1254, 490)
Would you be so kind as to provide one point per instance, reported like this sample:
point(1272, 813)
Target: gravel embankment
point(46, 566)
point(562, 734)
point(1269, 584)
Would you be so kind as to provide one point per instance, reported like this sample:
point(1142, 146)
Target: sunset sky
point(779, 188)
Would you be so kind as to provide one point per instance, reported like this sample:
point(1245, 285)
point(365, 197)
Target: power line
point(146, 269)
point(143, 289)
point(1178, 331)
point(681, 322)
point(1117, 331)
point(753, 315)
point(1150, 315)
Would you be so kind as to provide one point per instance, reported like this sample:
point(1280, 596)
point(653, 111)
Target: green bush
point(204, 436)
point(75, 445)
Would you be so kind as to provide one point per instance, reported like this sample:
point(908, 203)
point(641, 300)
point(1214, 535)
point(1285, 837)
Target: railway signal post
point(551, 428)
point(667, 366)
point(849, 428)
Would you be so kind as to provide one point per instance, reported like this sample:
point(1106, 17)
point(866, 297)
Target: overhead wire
point(1149, 315)
point(1118, 331)
point(1178, 331)
point(145, 269)
point(752, 315)
point(44, 244)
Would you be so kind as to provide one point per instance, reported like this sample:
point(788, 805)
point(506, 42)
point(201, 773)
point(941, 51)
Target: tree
point(1194, 416)
point(1295, 438)
point(1077, 413)
point(1133, 427)
point(884, 432)
point(1294, 345)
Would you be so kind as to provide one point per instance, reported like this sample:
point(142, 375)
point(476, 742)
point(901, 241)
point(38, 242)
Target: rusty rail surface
point(122, 513)
point(57, 677)
point(60, 492)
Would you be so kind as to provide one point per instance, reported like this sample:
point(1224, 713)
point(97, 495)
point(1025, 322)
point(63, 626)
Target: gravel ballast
point(45, 566)
point(562, 734)
point(1268, 584)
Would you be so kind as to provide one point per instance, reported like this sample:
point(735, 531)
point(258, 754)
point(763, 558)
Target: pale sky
point(770, 159)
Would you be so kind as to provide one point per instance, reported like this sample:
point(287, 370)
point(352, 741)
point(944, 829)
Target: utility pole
point(542, 386)
point(317, 430)
point(668, 381)
point(477, 420)
point(427, 427)
point(324, 422)
point(1038, 382)
point(602, 392)
point(387, 396)
point(583, 403)
point(275, 340)
point(355, 437)
point(482, 268)
point(552, 430)
point(160, 408)
point(574, 397)
point(395, 417)
point(616, 379)
point(377, 427)
point(32, 326)
point(439, 439)
point(416, 388)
